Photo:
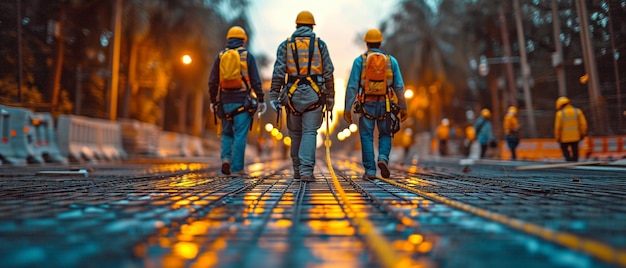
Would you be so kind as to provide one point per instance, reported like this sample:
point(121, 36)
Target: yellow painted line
point(595, 248)
point(382, 248)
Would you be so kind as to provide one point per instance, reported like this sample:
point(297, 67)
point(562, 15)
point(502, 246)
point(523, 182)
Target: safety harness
point(362, 97)
point(312, 80)
point(250, 104)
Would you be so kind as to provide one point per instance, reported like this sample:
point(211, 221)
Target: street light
point(186, 59)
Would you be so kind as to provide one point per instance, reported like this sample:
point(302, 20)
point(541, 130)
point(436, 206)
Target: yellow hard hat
point(373, 36)
point(485, 113)
point(512, 109)
point(305, 17)
point(237, 32)
point(561, 101)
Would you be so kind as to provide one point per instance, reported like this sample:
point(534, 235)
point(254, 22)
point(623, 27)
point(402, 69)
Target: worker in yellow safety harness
point(376, 93)
point(303, 83)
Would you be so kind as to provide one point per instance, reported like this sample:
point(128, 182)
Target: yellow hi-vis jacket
point(510, 124)
point(443, 132)
point(570, 124)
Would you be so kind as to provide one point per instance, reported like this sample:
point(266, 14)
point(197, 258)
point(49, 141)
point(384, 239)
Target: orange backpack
point(375, 73)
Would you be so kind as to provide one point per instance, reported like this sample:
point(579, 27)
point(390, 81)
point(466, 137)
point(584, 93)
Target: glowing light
point(341, 136)
point(408, 93)
point(287, 141)
point(186, 59)
point(186, 250)
point(269, 127)
point(353, 127)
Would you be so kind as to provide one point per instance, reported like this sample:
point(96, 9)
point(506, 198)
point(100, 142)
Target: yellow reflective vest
point(570, 124)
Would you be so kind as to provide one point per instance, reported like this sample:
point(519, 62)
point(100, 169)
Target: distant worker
point(235, 92)
point(303, 82)
point(443, 134)
point(570, 127)
point(484, 133)
point(511, 130)
point(375, 92)
point(406, 141)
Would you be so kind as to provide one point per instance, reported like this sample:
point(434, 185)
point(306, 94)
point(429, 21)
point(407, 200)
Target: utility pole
point(597, 109)
point(20, 78)
point(530, 115)
point(115, 58)
point(507, 55)
point(557, 57)
point(616, 70)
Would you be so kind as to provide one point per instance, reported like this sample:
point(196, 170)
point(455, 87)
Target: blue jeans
point(234, 137)
point(366, 132)
point(303, 133)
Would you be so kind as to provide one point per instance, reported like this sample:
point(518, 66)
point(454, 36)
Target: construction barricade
point(540, 150)
point(22, 136)
point(170, 144)
point(6, 151)
point(139, 138)
point(607, 148)
point(45, 139)
point(89, 139)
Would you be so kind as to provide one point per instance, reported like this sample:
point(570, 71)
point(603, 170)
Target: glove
point(403, 115)
point(275, 105)
point(330, 103)
point(215, 107)
point(347, 115)
point(262, 108)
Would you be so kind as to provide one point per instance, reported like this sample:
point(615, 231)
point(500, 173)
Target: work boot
point(369, 177)
point(384, 169)
point(296, 173)
point(226, 167)
point(308, 178)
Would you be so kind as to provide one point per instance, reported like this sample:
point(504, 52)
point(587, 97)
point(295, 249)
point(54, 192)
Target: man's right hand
point(347, 115)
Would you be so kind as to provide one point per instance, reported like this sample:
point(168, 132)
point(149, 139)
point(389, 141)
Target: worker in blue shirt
point(376, 93)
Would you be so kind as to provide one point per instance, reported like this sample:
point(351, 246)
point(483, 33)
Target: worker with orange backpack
point(303, 82)
point(375, 92)
point(236, 93)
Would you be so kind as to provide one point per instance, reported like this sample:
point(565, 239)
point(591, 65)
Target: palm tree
point(434, 40)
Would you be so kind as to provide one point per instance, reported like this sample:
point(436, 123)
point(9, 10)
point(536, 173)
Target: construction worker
point(511, 130)
point(235, 92)
point(303, 83)
point(570, 127)
point(443, 134)
point(375, 92)
point(484, 133)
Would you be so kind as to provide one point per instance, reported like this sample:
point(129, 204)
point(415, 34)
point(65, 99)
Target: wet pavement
point(437, 213)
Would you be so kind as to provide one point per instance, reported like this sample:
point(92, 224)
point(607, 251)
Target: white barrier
point(6, 152)
point(170, 144)
point(194, 146)
point(22, 136)
point(46, 139)
point(76, 138)
point(110, 140)
point(83, 138)
point(139, 138)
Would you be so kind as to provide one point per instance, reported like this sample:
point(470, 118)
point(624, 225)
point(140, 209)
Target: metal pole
point(530, 115)
point(507, 55)
point(115, 58)
point(617, 80)
point(592, 71)
point(558, 62)
point(19, 51)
